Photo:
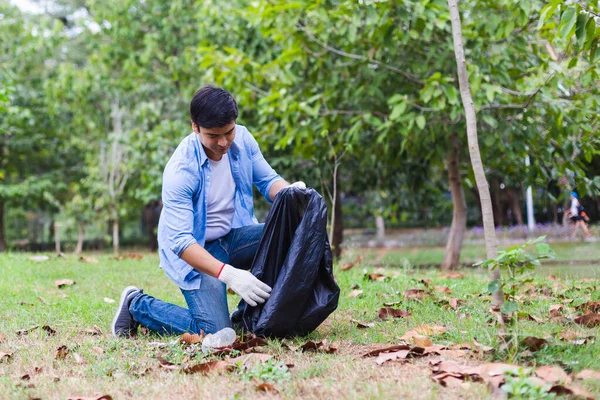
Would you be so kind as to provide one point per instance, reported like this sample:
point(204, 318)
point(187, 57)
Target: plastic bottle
point(225, 337)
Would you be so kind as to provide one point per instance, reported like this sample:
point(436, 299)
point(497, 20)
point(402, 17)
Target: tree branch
point(359, 57)
point(517, 106)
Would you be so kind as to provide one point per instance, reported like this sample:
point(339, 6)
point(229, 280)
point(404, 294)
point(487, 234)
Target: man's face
point(216, 141)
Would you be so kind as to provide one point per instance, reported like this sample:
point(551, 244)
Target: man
point(207, 229)
point(574, 215)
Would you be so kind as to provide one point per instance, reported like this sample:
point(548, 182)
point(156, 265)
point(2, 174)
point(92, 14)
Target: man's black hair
point(213, 107)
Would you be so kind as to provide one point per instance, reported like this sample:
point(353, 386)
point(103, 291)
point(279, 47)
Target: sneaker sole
point(121, 301)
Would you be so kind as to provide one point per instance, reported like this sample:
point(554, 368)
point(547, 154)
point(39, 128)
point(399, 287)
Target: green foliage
point(271, 371)
point(519, 385)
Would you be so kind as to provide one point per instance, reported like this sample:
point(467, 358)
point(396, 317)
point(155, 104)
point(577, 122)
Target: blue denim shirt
point(186, 181)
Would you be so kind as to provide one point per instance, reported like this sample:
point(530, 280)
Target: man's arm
point(276, 188)
point(202, 260)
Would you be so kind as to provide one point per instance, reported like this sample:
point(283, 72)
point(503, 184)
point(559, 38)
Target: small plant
point(269, 371)
point(519, 263)
point(518, 385)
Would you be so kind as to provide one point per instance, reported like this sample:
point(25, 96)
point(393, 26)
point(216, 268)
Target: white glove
point(299, 185)
point(252, 290)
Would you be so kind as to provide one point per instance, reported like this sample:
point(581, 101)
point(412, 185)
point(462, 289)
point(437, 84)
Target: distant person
point(577, 215)
point(207, 232)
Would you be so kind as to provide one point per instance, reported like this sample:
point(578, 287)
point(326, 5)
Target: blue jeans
point(207, 306)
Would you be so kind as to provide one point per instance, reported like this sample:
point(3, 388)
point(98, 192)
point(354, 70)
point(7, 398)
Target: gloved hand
point(252, 290)
point(299, 185)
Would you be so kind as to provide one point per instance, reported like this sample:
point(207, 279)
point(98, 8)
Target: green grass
point(344, 375)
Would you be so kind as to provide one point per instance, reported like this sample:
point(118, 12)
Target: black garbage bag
point(294, 258)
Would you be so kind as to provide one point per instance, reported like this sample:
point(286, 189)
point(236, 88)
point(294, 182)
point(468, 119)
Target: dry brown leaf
point(552, 374)
point(388, 349)
point(453, 303)
point(395, 355)
point(97, 350)
point(578, 393)
point(134, 256)
point(588, 374)
point(79, 359)
point(267, 387)
point(61, 352)
point(95, 331)
point(346, 267)
point(48, 330)
point(376, 277)
point(386, 312)
point(422, 341)
point(61, 283)
point(87, 259)
point(250, 344)
point(533, 343)
point(2, 338)
point(169, 366)
point(413, 294)
point(207, 367)
point(443, 289)
point(590, 320)
point(589, 307)
point(103, 397)
point(5, 357)
point(321, 347)
point(355, 293)
point(452, 275)
point(189, 338)
point(363, 325)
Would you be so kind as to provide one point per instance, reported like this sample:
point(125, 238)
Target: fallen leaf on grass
point(108, 300)
point(61, 352)
point(376, 277)
point(26, 377)
point(2, 338)
point(97, 350)
point(413, 294)
point(25, 332)
point(63, 283)
point(589, 320)
point(320, 347)
point(87, 259)
point(346, 267)
point(443, 289)
point(552, 374)
point(26, 304)
point(452, 275)
point(577, 338)
point(363, 325)
point(453, 303)
point(530, 317)
point(169, 366)
point(588, 374)
point(250, 345)
point(589, 307)
point(533, 343)
point(267, 387)
point(395, 355)
point(189, 338)
point(386, 312)
point(95, 331)
point(207, 367)
point(578, 393)
point(355, 293)
point(48, 330)
point(5, 357)
point(103, 397)
point(38, 258)
point(388, 349)
point(422, 341)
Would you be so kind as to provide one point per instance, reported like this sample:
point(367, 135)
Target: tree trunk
point(554, 215)
point(491, 242)
point(57, 237)
point(338, 227)
point(499, 214)
point(115, 236)
point(516, 206)
point(80, 237)
point(459, 207)
point(380, 224)
point(2, 237)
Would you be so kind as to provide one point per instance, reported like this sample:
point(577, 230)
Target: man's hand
point(252, 290)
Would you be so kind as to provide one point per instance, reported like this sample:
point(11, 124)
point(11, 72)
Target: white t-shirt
point(220, 206)
point(574, 205)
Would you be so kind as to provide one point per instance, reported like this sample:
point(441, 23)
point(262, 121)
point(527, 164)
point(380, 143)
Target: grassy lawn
point(128, 368)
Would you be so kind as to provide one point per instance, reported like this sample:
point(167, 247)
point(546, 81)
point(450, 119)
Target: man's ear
point(195, 127)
